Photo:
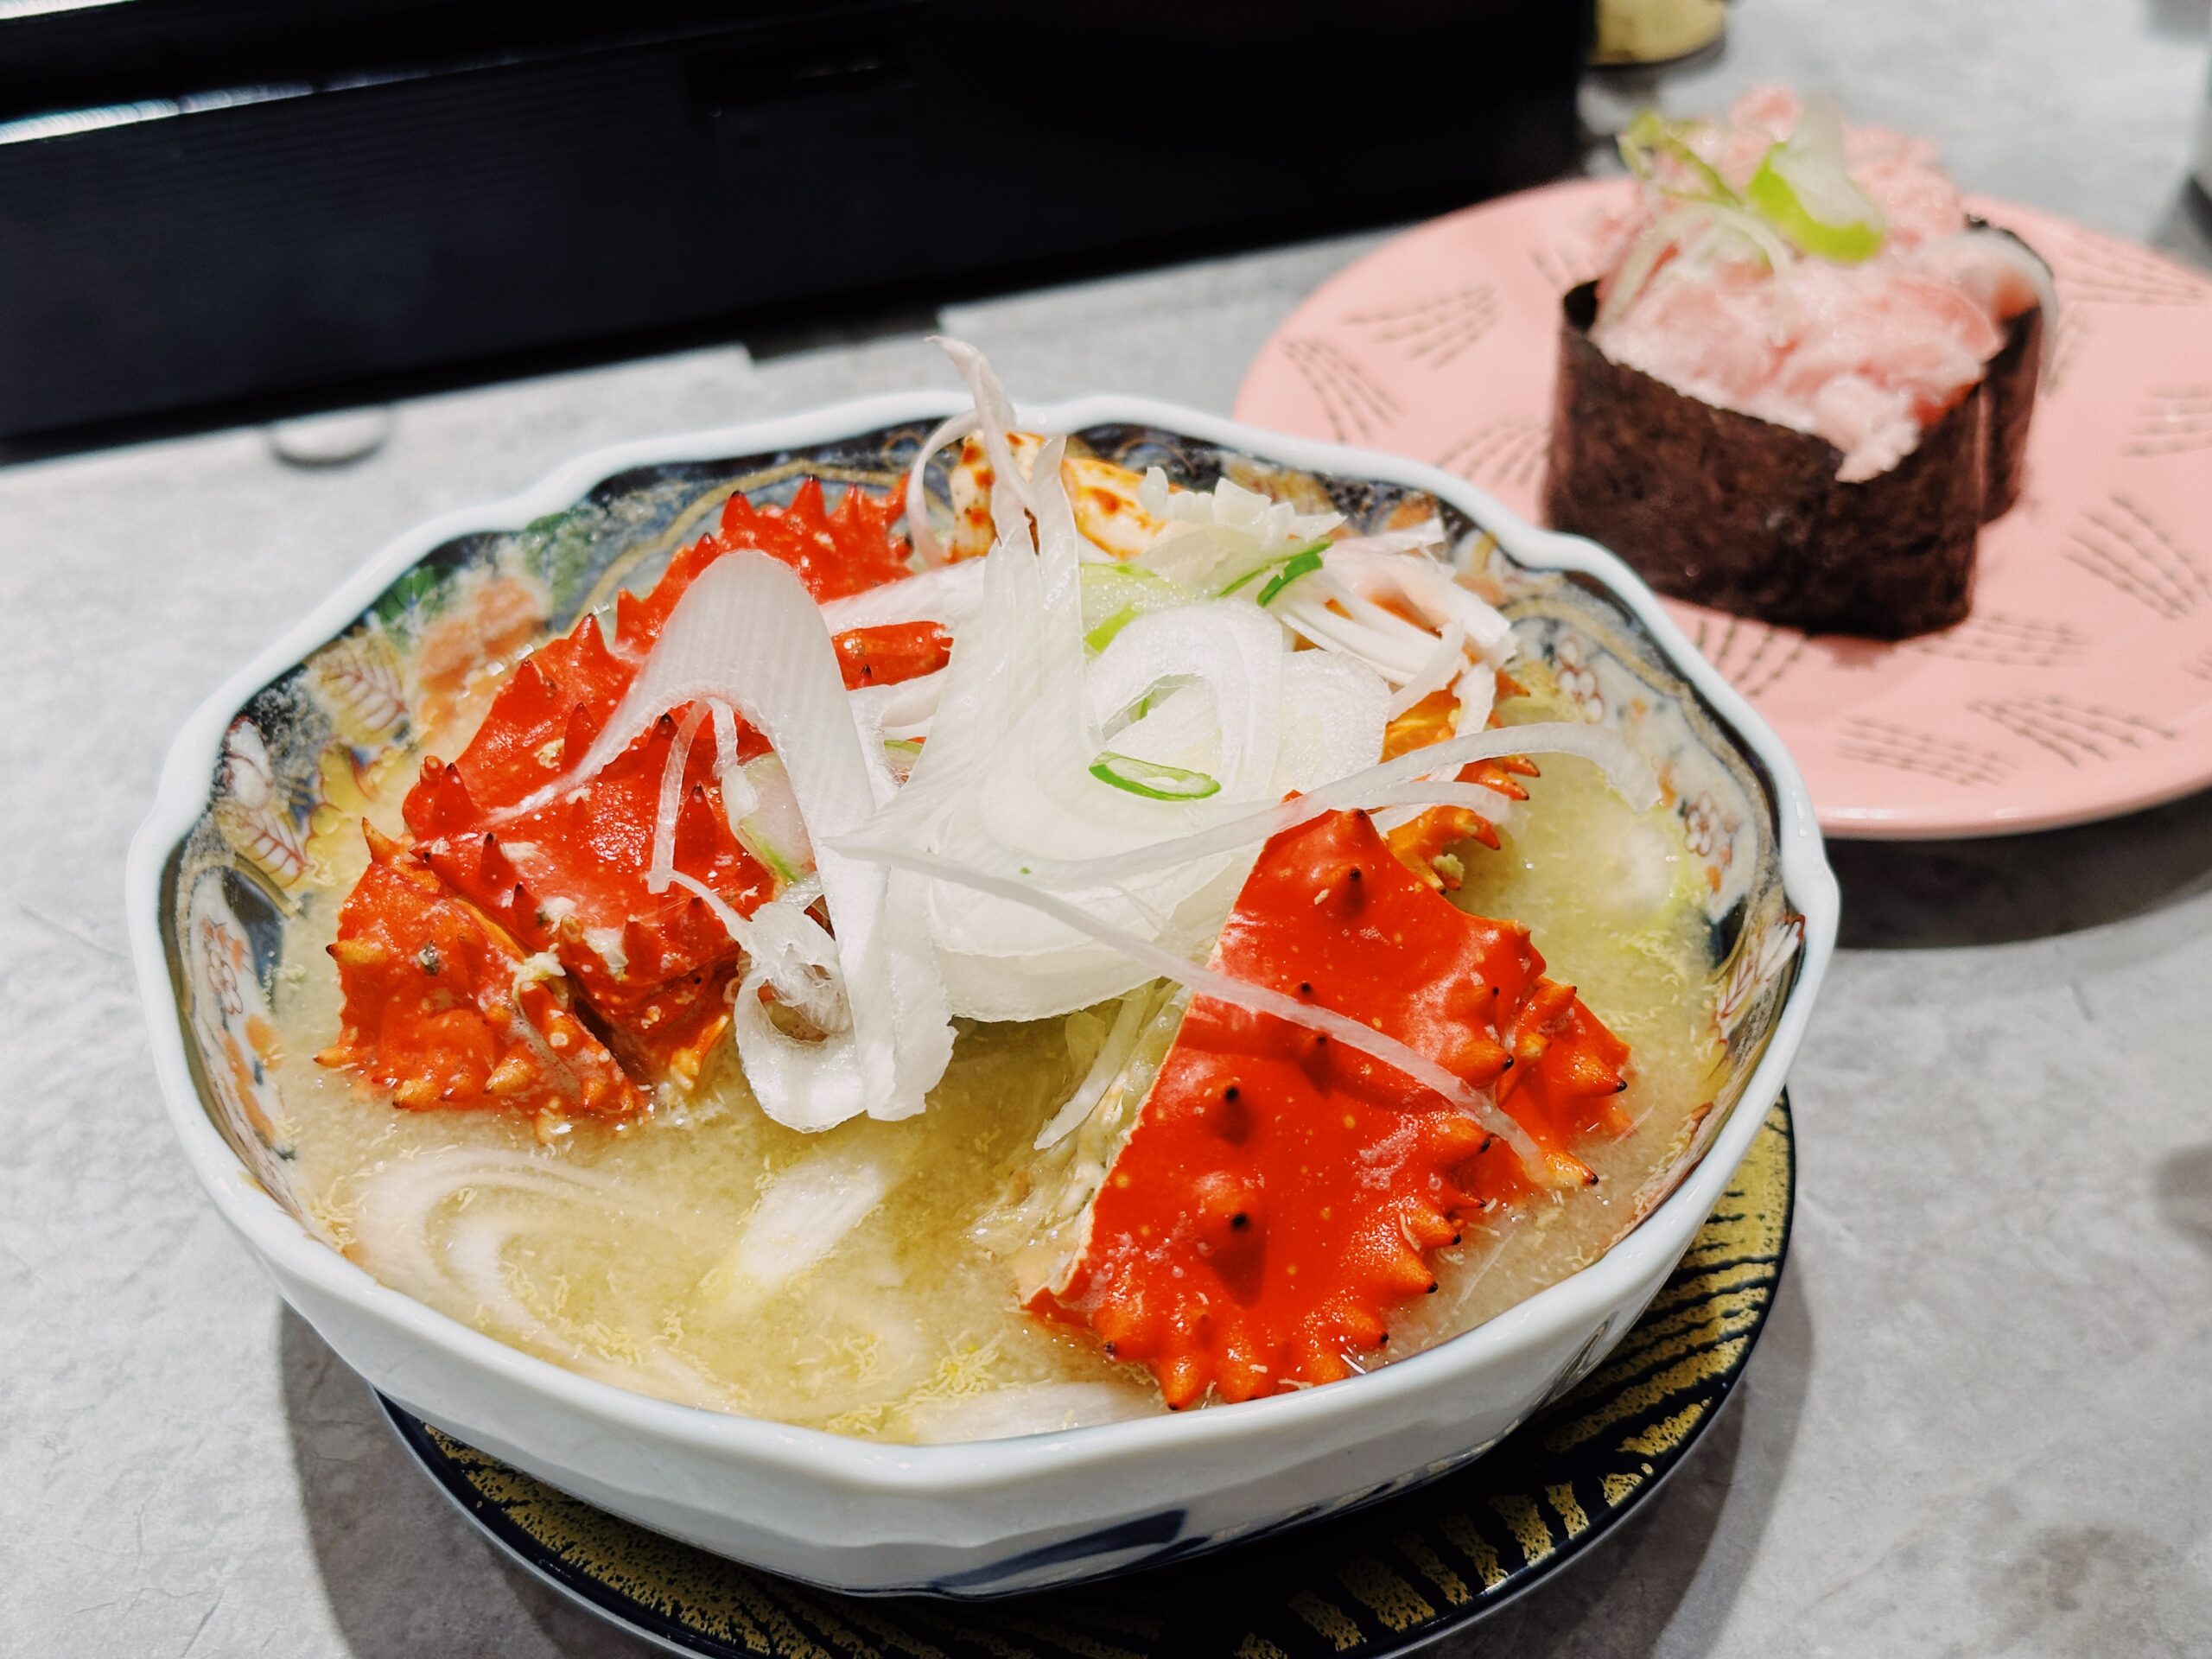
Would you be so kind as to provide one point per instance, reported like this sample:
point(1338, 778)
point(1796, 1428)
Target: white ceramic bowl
point(990, 1517)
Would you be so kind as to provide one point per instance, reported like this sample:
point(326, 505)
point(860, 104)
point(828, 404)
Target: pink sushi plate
point(2081, 686)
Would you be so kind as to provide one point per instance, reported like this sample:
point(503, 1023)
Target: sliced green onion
point(1102, 636)
point(1115, 595)
point(1805, 190)
point(1847, 243)
point(1286, 557)
point(774, 832)
point(1300, 564)
point(1152, 780)
point(900, 754)
point(1653, 132)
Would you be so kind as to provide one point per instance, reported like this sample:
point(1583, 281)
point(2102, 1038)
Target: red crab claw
point(442, 1011)
point(1422, 842)
point(1568, 1070)
point(1280, 1192)
point(892, 652)
point(838, 553)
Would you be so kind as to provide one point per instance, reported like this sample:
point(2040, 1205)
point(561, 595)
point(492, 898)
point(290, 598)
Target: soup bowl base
point(1409, 1567)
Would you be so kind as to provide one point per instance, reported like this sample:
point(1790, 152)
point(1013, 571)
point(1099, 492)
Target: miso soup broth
point(742, 998)
point(855, 1279)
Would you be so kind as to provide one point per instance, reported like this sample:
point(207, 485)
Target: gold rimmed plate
point(1377, 1582)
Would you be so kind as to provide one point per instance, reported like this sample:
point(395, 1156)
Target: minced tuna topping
point(1820, 276)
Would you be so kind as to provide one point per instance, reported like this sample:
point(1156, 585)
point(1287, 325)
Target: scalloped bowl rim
point(864, 1467)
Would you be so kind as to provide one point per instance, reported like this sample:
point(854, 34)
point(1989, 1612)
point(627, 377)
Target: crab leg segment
point(1280, 1194)
point(1423, 842)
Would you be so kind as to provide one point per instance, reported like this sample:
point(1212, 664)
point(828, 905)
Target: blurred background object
point(212, 209)
point(1656, 31)
point(2204, 148)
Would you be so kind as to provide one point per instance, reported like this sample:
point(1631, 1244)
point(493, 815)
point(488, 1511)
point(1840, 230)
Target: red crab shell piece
point(570, 877)
point(890, 653)
point(440, 1011)
point(563, 692)
point(836, 553)
point(1279, 1193)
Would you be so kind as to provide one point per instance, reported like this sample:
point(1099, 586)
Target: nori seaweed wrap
point(1747, 515)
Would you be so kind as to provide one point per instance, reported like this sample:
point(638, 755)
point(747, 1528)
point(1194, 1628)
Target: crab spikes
point(444, 1010)
point(1280, 1192)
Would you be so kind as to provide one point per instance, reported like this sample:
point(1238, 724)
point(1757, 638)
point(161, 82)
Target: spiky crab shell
point(1279, 1194)
point(570, 877)
point(443, 1009)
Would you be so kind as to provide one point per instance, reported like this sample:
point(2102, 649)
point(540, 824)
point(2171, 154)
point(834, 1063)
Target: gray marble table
point(1979, 1423)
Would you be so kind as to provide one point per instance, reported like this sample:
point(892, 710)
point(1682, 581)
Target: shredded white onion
point(901, 712)
point(1161, 963)
point(1413, 538)
point(1393, 783)
point(663, 864)
point(807, 1211)
point(1113, 1057)
point(1006, 771)
point(948, 595)
point(1230, 648)
point(1476, 691)
point(1428, 585)
point(725, 760)
point(461, 1257)
point(1395, 654)
point(920, 532)
point(1418, 797)
point(994, 418)
point(793, 956)
point(1445, 663)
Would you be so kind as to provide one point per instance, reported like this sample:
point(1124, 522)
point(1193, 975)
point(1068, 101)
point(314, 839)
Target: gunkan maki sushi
point(1805, 377)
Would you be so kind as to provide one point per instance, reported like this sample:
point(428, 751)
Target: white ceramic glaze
point(1002, 1515)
